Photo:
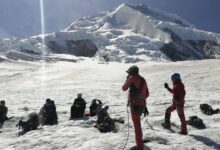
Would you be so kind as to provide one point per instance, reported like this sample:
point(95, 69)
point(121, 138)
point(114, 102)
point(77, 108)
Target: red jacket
point(139, 96)
point(178, 93)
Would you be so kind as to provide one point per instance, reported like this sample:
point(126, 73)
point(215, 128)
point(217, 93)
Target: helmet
point(175, 76)
point(133, 70)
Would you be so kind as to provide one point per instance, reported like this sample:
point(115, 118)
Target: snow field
point(21, 88)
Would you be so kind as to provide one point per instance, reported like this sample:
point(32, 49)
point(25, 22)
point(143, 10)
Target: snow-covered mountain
point(127, 34)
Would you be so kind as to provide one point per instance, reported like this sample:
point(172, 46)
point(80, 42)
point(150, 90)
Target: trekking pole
point(126, 142)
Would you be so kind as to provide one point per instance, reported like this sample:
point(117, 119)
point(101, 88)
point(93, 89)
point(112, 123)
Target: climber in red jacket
point(179, 93)
point(138, 93)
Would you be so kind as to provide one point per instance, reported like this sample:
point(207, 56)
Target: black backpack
point(196, 122)
point(207, 109)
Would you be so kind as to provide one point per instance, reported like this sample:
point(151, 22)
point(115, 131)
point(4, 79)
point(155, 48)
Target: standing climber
point(138, 93)
point(178, 101)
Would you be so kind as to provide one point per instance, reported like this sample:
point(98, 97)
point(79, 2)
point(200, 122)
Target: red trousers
point(137, 128)
point(180, 112)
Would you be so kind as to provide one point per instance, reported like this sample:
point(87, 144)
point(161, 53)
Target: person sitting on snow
point(31, 124)
point(54, 113)
point(95, 107)
point(3, 113)
point(104, 122)
point(48, 114)
point(78, 107)
point(178, 101)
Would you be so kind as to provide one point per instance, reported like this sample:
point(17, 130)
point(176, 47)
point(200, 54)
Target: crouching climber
point(31, 124)
point(104, 122)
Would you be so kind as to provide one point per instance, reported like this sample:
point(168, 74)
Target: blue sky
point(204, 14)
point(22, 17)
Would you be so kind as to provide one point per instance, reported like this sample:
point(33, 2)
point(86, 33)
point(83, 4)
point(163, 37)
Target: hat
point(133, 70)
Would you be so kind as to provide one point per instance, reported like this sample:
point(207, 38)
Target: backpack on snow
point(208, 110)
point(196, 122)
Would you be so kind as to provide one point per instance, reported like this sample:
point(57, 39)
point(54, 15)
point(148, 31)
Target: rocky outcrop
point(179, 50)
point(83, 48)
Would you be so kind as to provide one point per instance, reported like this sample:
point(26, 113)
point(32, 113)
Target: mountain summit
point(126, 34)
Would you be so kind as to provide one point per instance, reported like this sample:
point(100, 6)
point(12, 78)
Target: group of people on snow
point(48, 115)
point(138, 93)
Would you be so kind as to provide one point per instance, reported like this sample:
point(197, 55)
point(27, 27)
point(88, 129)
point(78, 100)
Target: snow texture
point(26, 85)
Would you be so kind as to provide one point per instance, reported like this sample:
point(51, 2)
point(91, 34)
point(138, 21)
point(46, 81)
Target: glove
point(166, 85)
point(146, 112)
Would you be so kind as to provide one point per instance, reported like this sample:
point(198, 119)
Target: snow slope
point(26, 85)
point(128, 34)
